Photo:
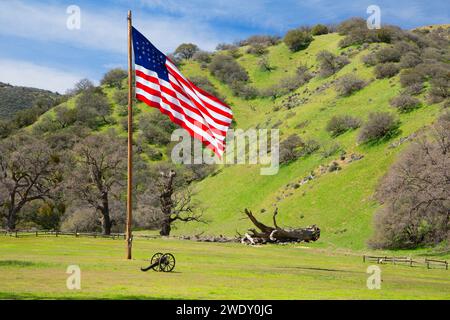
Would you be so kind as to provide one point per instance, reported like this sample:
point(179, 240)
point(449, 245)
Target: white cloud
point(272, 15)
point(105, 30)
point(27, 74)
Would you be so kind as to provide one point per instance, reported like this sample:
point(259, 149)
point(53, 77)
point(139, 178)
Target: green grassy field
point(35, 268)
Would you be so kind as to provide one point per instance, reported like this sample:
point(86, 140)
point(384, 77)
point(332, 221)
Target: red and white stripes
point(205, 117)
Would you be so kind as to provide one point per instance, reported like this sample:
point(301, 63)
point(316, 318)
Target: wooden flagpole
point(129, 237)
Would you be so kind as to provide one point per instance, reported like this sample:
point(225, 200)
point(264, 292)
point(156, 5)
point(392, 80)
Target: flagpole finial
point(129, 14)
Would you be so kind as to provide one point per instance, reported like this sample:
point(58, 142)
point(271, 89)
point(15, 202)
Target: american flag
point(160, 84)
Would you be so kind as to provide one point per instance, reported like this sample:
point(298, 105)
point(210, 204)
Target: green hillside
point(15, 98)
point(341, 203)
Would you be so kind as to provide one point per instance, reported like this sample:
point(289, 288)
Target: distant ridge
point(16, 98)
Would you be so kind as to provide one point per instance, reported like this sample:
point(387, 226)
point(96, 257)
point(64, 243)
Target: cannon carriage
point(161, 262)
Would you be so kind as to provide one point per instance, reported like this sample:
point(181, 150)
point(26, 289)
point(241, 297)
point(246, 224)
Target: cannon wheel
point(167, 262)
point(156, 261)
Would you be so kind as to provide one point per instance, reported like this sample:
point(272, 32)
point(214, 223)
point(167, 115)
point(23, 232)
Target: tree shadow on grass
point(323, 269)
point(32, 296)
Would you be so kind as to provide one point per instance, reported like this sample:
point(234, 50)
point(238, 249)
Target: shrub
point(319, 29)
point(202, 57)
point(297, 39)
point(289, 148)
point(388, 54)
point(433, 69)
point(414, 89)
point(264, 40)
point(44, 125)
point(92, 108)
point(329, 63)
point(65, 116)
point(349, 84)
point(156, 128)
point(411, 77)
point(405, 103)
point(380, 125)
point(257, 49)
point(235, 52)
point(186, 50)
point(357, 33)
point(264, 64)
point(370, 59)
point(287, 84)
point(120, 97)
point(175, 59)
point(439, 89)
point(114, 78)
point(409, 60)
point(203, 83)
point(244, 90)
point(123, 122)
point(330, 150)
point(82, 220)
point(433, 54)
point(416, 214)
point(82, 86)
point(303, 73)
point(350, 25)
point(25, 117)
point(405, 47)
point(309, 147)
point(6, 128)
point(338, 125)
point(386, 70)
point(153, 154)
point(227, 70)
point(225, 46)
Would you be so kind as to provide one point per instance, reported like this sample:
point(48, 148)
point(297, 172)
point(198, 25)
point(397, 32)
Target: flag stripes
point(160, 84)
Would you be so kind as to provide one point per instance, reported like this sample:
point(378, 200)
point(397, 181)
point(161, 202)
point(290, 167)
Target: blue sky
point(37, 49)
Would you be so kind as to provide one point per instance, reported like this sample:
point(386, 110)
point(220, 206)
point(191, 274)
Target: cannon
point(164, 262)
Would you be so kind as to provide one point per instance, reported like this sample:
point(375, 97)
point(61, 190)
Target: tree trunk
point(165, 199)
point(276, 234)
point(12, 219)
point(106, 222)
point(165, 228)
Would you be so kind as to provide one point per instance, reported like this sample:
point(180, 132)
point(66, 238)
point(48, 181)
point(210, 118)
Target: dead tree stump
point(276, 234)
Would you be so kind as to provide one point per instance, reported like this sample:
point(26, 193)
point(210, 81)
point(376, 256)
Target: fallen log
point(275, 234)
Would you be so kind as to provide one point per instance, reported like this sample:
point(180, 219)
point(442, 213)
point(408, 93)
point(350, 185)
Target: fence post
point(16, 234)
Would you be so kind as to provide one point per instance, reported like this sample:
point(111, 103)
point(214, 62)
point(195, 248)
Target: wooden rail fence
point(47, 233)
point(429, 263)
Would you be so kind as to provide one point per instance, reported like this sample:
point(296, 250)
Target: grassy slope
point(33, 268)
point(340, 203)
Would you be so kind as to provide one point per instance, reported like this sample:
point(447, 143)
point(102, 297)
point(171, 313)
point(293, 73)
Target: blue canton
point(148, 56)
